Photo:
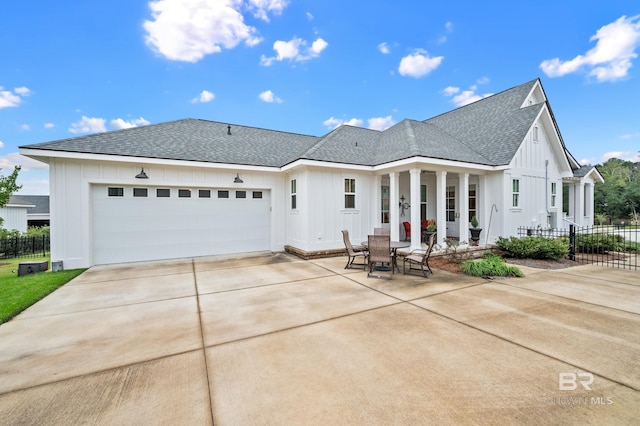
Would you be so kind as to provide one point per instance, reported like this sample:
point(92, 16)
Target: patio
point(274, 339)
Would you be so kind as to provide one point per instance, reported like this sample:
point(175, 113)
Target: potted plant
point(429, 229)
point(475, 231)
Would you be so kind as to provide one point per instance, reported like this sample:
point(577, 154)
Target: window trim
point(515, 193)
point(349, 193)
point(294, 194)
point(554, 193)
point(450, 210)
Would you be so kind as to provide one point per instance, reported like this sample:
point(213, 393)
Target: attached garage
point(139, 223)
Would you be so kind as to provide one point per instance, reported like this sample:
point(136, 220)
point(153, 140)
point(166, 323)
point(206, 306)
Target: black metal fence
point(13, 247)
point(612, 246)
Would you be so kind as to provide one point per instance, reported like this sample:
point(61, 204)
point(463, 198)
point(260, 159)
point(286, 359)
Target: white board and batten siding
point(189, 222)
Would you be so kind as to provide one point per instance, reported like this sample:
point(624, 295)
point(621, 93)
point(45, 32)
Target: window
point(241, 194)
point(204, 193)
point(294, 201)
point(139, 192)
point(423, 202)
point(553, 194)
point(473, 193)
point(163, 193)
point(515, 193)
point(257, 194)
point(384, 204)
point(535, 134)
point(349, 193)
point(451, 204)
point(115, 192)
point(184, 193)
point(223, 193)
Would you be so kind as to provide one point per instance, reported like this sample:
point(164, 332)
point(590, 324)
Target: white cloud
point(204, 97)
point(119, 123)
point(25, 127)
point(9, 161)
point(622, 155)
point(465, 97)
point(295, 50)
point(309, 16)
point(9, 99)
point(418, 64)
point(187, 30)
point(1, 144)
point(269, 97)
point(610, 59)
point(381, 123)
point(49, 125)
point(448, 26)
point(483, 80)
point(88, 125)
point(376, 123)
point(384, 48)
point(261, 8)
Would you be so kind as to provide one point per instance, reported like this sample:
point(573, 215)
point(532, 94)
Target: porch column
point(588, 204)
point(441, 217)
point(463, 222)
point(416, 232)
point(394, 213)
point(376, 206)
point(579, 205)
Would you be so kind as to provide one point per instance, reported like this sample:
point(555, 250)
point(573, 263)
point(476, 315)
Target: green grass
point(18, 293)
point(490, 266)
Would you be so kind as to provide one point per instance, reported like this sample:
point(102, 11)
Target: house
point(195, 187)
point(23, 211)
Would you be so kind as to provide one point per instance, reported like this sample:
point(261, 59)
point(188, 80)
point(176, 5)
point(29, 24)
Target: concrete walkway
point(277, 340)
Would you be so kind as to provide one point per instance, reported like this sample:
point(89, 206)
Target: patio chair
point(354, 252)
point(381, 231)
point(407, 230)
point(380, 255)
point(419, 257)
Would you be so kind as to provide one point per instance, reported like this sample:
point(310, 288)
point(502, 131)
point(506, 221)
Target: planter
point(475, 235)
point(426, 235)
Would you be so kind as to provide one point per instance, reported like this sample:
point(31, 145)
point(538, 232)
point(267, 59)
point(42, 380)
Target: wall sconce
point(237, 179)
point(142, 175)
point(403, 206)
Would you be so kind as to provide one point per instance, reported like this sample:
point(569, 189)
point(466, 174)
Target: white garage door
point(149, 223)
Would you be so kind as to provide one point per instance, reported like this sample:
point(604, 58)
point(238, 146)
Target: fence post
point(572, 242)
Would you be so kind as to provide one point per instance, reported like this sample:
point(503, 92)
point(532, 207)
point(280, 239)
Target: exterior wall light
point(142, 175)
point(237, 179)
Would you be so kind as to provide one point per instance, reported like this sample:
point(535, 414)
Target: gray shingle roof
point(488, 132)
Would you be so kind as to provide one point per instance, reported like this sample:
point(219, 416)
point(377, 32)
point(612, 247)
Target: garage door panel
point(128, 228)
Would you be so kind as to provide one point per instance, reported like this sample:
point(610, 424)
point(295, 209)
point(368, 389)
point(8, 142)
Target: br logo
point(569, 381)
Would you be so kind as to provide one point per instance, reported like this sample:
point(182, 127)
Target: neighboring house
point(23, 211)
point(194, 187)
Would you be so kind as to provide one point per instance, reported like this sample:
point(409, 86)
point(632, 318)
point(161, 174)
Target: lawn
point(18, 293)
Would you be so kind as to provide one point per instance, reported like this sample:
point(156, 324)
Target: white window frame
point(450, 203)
point(294, 194)
point(515, 193)
point(385, 203)
point(473, 211)
point(554, 193)
point(349, 193)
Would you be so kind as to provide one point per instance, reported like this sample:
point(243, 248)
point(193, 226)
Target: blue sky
point(70, 68)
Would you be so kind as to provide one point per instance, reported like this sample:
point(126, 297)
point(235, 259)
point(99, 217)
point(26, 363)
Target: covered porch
point(451, 197)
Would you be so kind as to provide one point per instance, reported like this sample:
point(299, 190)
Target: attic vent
point(228, 129)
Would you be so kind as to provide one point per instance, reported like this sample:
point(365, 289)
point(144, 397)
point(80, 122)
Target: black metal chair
point(354, 252)
point(380, 254)
point(420, 257)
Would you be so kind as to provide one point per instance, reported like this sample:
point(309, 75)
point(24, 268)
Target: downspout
point(546, 190)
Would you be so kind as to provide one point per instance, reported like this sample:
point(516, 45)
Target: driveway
point(276, 340)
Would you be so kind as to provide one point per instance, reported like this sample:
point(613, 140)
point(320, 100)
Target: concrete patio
point(277, 340)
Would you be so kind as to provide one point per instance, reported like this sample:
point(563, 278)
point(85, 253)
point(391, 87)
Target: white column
point(463, 221)
point(416, 233)
point(579, 219)
point(394, 213)
point(441, 219)
point(376, 206)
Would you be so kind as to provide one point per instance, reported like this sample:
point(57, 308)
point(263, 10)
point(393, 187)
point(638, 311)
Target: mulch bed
point(442, 263)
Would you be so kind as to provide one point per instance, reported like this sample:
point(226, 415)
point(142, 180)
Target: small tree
point(8, 186)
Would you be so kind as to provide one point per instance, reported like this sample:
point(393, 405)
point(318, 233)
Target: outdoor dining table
point(394, 245)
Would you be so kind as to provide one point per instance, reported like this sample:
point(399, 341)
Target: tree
point(619, 196)
point(7, 187)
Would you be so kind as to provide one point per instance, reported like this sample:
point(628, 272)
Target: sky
point(71, 68)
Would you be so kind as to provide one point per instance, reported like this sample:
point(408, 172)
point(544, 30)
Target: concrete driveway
point(276, 340)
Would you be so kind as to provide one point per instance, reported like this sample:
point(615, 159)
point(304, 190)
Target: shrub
point(598, 243)
point(490, 266)
point(534, 247)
